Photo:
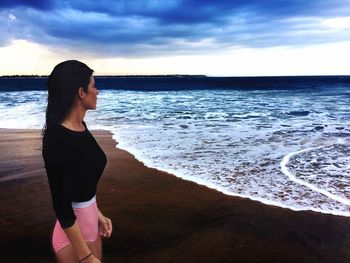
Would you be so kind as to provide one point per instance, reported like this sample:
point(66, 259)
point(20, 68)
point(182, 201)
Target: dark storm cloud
point(132, 28)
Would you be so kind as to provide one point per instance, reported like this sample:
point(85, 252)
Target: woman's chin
point(92, 108)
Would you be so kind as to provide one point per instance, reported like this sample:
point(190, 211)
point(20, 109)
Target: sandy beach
point(157, 217)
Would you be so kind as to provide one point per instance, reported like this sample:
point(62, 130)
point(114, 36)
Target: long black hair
point(63, 84)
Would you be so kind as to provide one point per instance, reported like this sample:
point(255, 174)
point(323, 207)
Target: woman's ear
point(81, 92)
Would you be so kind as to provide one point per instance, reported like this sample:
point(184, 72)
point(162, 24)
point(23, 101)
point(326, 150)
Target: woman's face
point(89, 101)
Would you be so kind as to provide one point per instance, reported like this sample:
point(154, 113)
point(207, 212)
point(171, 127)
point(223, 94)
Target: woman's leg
point(67, 255)
point(96, 247)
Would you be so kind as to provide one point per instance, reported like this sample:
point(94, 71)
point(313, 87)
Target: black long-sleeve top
point(74, 163)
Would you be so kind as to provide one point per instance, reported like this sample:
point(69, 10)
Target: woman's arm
point(81, 248)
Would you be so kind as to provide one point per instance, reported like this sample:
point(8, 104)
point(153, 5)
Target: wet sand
point(157, 217)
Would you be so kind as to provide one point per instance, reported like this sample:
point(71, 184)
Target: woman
point(74, 163)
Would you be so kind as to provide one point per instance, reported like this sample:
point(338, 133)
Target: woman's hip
point(87, 220)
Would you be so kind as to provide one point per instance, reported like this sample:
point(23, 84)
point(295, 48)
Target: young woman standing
point(74, 163)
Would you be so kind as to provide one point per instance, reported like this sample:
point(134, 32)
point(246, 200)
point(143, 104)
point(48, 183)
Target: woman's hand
point(104, 225)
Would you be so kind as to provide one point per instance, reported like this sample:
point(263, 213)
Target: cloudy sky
point(216, 38)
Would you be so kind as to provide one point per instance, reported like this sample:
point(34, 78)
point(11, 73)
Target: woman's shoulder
point(54, 136)
point(54, 145)
point(59, 134)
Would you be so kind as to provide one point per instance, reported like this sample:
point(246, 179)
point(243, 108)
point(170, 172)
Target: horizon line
point(181, 75)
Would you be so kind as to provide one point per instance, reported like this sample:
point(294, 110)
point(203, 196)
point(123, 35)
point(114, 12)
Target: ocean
point(282, 141)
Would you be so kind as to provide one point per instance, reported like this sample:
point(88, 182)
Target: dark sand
point(157, 217)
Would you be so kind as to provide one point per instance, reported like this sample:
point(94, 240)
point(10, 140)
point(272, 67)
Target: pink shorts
point(87, 219)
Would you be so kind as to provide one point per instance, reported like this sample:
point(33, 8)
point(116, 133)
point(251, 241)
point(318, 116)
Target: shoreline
point(263, 201)
point(212, 186)
point(158, 216)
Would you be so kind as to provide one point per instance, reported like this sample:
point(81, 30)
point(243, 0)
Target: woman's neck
point(74, 119)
